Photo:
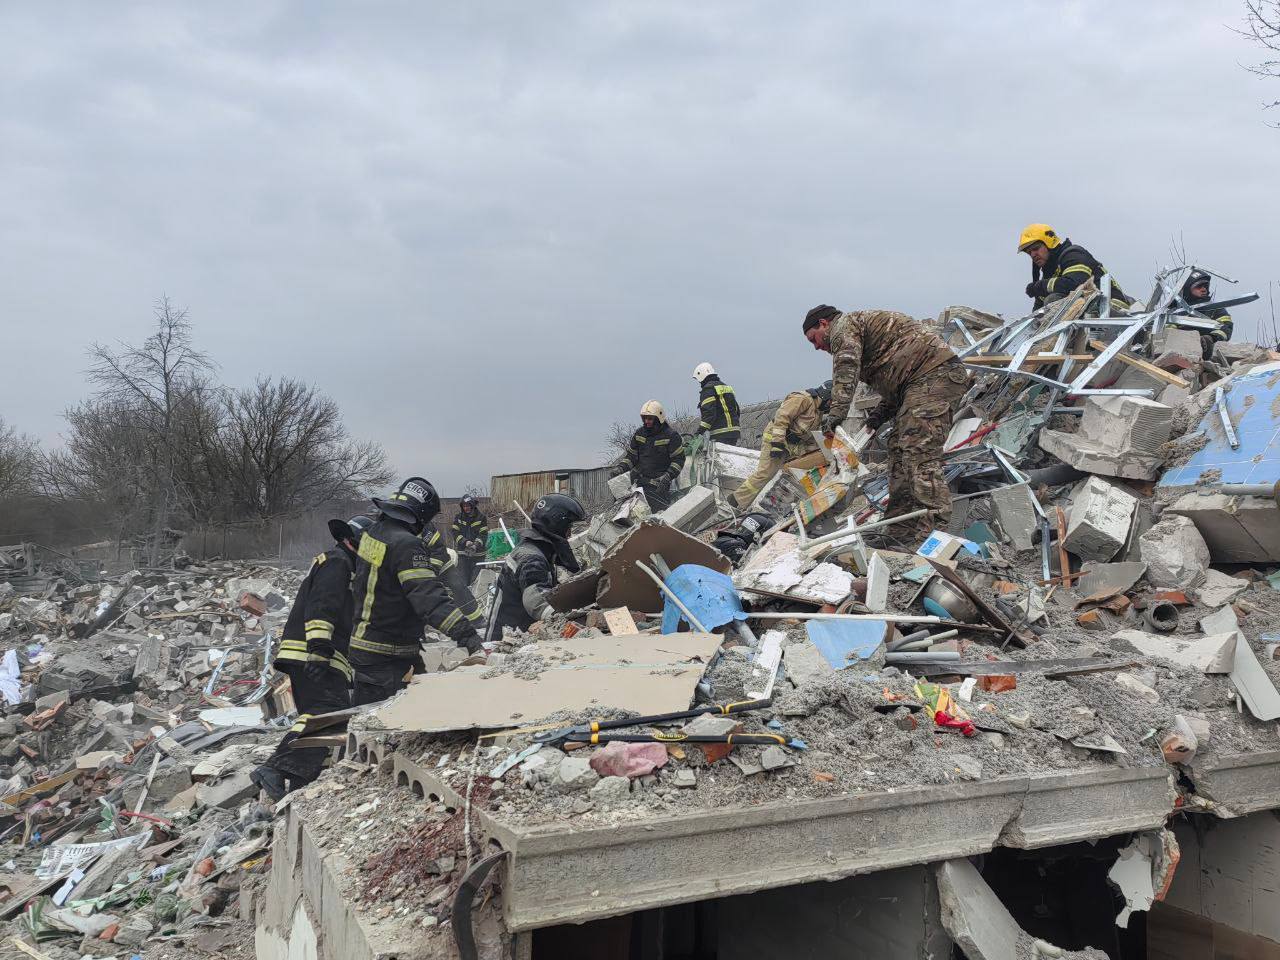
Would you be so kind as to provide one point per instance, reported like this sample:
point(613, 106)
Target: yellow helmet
point(653, 408)
point(1038, 233)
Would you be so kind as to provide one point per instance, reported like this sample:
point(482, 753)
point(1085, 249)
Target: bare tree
point(153, 382)
point(19, 462)
point(478, 490)
point(1262, 26)
point(287, 449)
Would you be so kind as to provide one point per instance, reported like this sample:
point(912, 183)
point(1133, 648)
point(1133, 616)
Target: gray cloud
point(523, 220)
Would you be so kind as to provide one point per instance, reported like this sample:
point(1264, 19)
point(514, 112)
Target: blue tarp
point(846, 642)
point(1253, 401)
point(709, 594)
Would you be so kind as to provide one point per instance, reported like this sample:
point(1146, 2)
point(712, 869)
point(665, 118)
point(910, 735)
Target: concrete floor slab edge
point(1238, 783)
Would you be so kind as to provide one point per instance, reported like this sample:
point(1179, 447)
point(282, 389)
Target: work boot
point(270, 781)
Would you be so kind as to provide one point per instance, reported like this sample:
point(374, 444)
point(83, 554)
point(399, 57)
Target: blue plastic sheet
point(709, 594)
point(846, 642)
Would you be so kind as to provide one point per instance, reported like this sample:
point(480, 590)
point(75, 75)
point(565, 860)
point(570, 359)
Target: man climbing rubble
point(529, 572)
point(1058, 266)
point(717, 405)
point(470, 532)
point(920, 382)
point(313, 654)
point(654, 456)
point(788, 435)
point(1196, 291)
point(397, 592)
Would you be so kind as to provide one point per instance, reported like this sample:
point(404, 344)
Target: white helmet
point(653, 408)
point(702, 371)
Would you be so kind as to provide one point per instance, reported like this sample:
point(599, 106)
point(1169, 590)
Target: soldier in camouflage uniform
point(920, 382)
point(788, 435)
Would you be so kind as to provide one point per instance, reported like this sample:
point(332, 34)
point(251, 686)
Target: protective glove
point(618, 470)
point(777, 451)
point(877, 417)
point(464, 635)
point(831, 420)
point(1037, 288)
point(662, 486)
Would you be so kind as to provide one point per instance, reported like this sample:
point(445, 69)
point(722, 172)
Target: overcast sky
point(491, 229)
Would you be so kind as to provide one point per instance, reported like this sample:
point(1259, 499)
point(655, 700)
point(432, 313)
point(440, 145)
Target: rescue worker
point(447, 566)
point(1059, 266)
point(1196, 291)
point(654, 456)
point(529, 572)
point(313, 654)
point(397, 592)
point(718, 406)
point(920, 382)
point(734, 542)
point(470, 532)
point(788, 435)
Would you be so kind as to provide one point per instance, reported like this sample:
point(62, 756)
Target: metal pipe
point(943, 656)
point(805, 615)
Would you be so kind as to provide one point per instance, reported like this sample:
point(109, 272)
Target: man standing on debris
point(397, 593)
point(718, 406)
point(1196, 291)
point(788, 435)
point(1059, 266)
point(313, 654)
point(654, 456)
point(447, 565)
point(920, 383)
point(470, 532)
point(529, 571)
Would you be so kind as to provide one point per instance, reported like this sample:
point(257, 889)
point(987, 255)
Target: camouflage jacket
point(794, 422)
point(887, 350)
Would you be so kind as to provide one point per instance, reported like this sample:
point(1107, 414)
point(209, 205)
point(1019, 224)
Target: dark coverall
point(1070, 265)
point(1225, 326)
point(470, 534)
point(450, 572)
point(317, 632)
point(529, 567)
point(655, 457)
point(718, 406)
point(397, 590)
point(920, 382)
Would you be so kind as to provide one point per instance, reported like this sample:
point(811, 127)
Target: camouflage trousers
point(920, 427)
point(765, 470)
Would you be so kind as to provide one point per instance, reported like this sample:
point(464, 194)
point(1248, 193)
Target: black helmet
point(414, 503)
point(555, 513)
point(1197, 276)
point(350, 529)
point(821, 393)
point(467, 501)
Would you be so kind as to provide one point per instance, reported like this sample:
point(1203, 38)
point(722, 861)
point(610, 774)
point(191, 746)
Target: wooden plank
point(1148, 368)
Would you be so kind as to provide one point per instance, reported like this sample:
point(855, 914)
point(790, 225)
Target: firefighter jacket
point(719, 409)
point(651, 455)
point(790, 432)
point(468, 529)
point(530, 564)
point(320, 619)
point(1225, 324)
point(884, 349)
point(1069, 266)
point(445, 564)
point(397, 590)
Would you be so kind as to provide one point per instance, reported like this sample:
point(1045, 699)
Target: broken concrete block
point(1223, 620)
point(1213, 654)
point(574, 774)
point(686, 779)
point(170, 780)
point(610, 789)
point(1220, 588)
point(1118, 437)
point(629, 759)
point(620, 485)
point(1016, 516)
point(228, 792)
point(1175, 553)
point(1099, 523)
point(1236, 529)
point(775, 758)
point(692, 510)
point(94, 760)
point(1107, 579)
point(965, 767)
point(1137, 687)
point(710, 725)
point(805, 665)
point(1252, 683)
point(973, 915)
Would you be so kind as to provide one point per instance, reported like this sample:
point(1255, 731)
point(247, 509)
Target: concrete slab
point(1251, 399)
point(1174, 552)
point(1220, 588)
point(1236, 529)
point(1213, 654)
point(1016, 516)
point(1118, 437)
point(973, 915)
point(692, 510)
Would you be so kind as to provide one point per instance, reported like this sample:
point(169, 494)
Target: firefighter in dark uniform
point(313, 654)
point(529, 571)
point(654, 456)
point(1058, 266)
point(470, 532)
point(718, 406)
point(445, 562)
point(397, 592)
point(1196, 291)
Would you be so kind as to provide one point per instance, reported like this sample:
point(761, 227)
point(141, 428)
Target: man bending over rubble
point(920, 383)
point(398, 592)
point(529, 571)
point(313, 654)
point(788, 435)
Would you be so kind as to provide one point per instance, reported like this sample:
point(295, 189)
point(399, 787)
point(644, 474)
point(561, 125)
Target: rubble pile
point(134, 709)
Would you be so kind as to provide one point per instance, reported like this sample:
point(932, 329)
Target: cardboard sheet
point(626, 585)
point(646, 673)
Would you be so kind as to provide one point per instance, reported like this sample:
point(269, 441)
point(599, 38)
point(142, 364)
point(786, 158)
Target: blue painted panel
point(1253, 401)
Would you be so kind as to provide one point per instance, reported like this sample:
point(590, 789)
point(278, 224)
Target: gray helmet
point(350, 529)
